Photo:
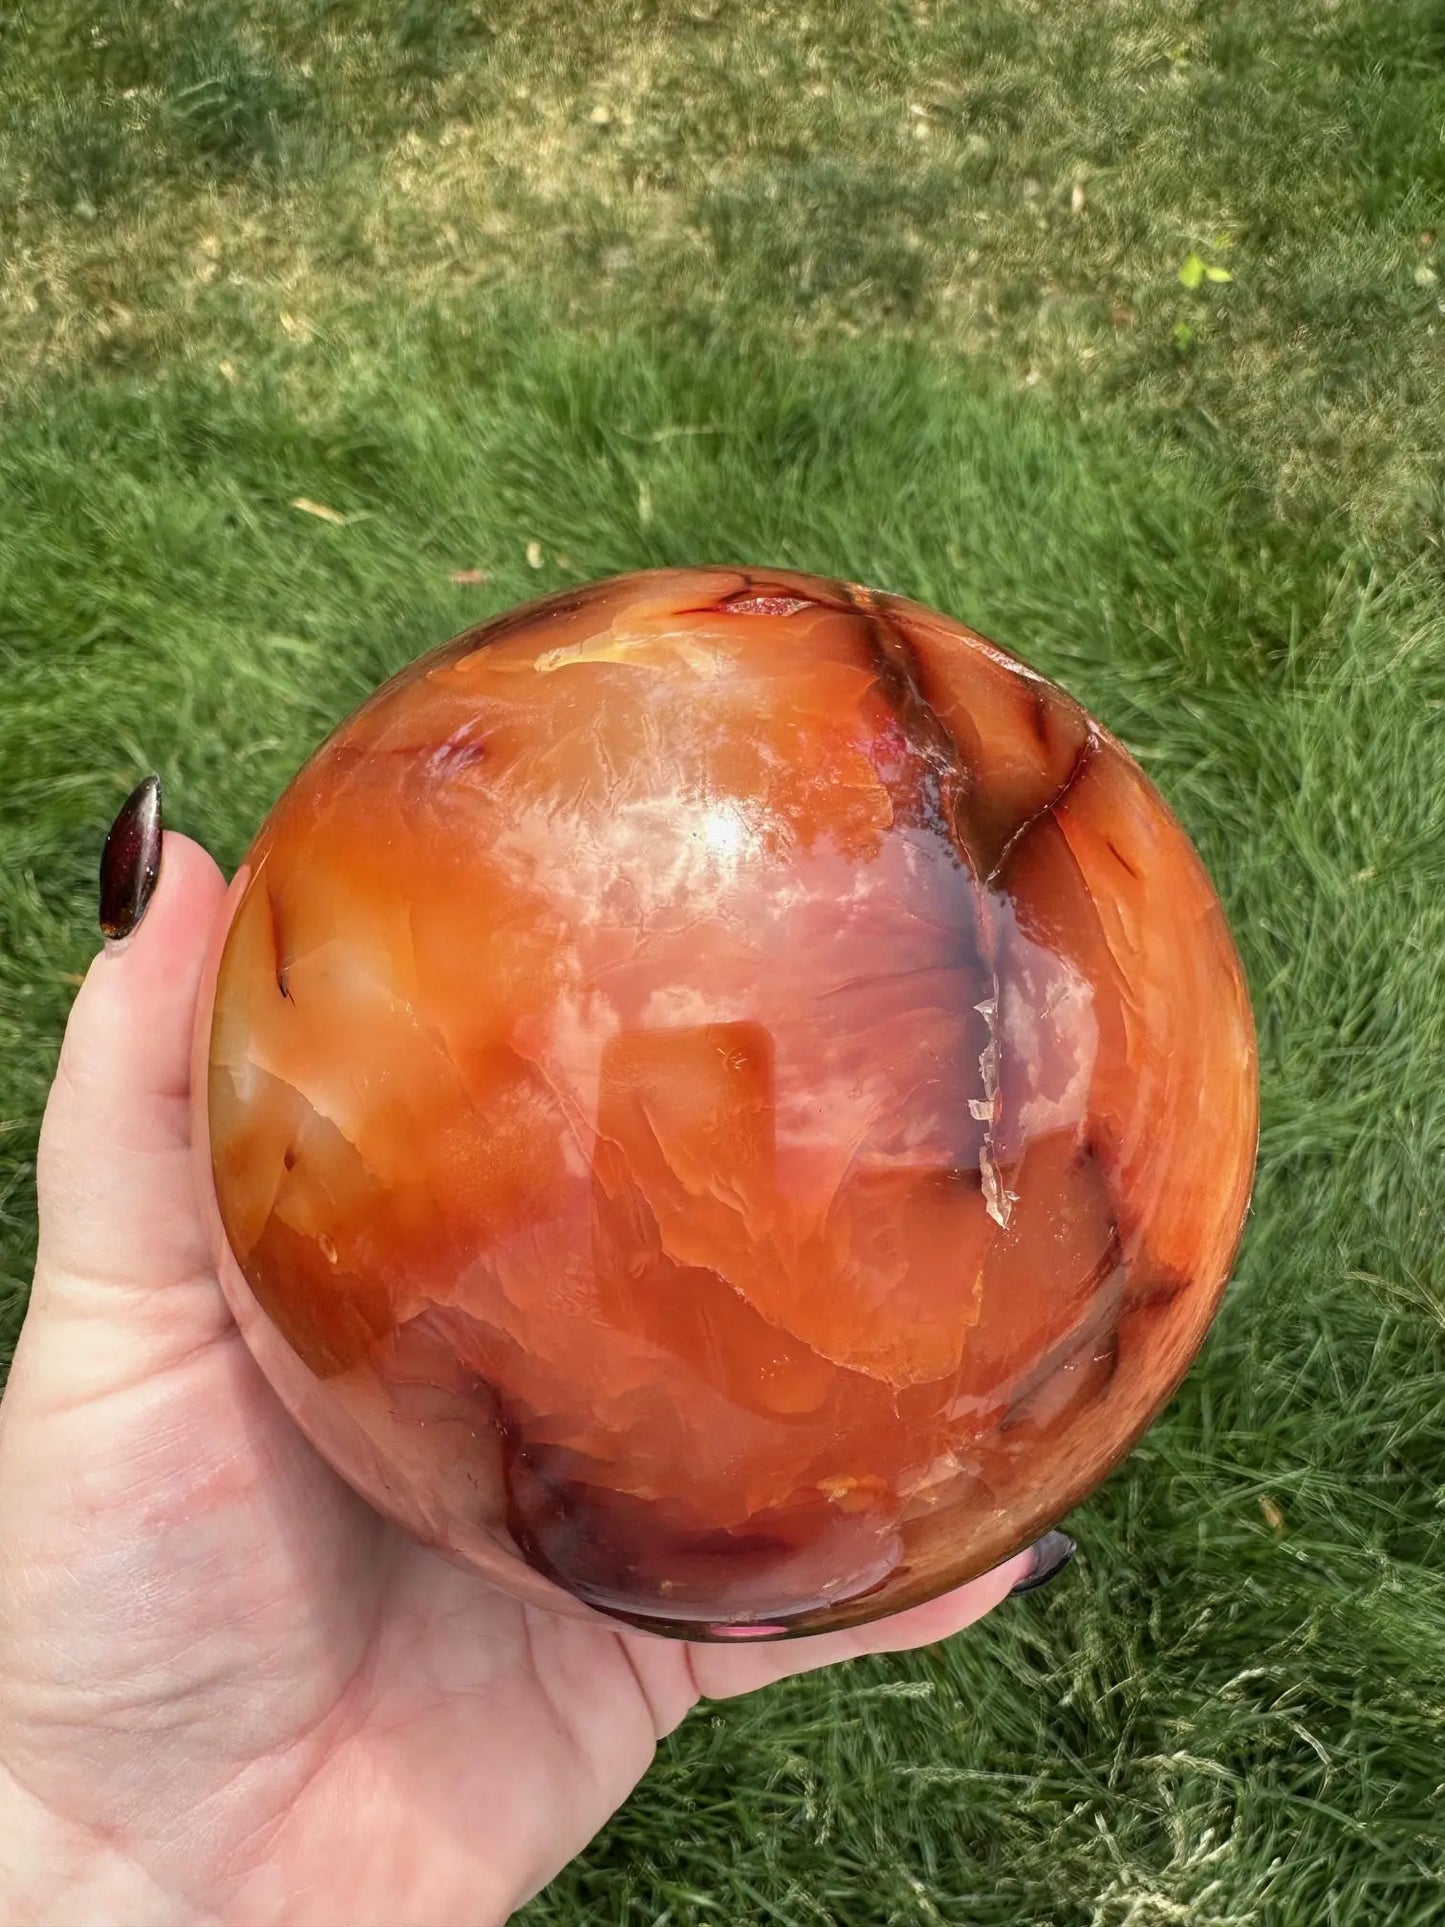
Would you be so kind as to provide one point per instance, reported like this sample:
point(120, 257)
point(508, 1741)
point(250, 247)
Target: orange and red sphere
point(730, 1101)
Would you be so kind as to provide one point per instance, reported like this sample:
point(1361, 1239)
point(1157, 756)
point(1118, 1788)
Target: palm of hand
point(345, 1713)
point(217, 1664)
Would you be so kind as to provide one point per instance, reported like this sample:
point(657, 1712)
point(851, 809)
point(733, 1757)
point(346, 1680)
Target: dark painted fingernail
point(130, 863)
point(1051, 1554)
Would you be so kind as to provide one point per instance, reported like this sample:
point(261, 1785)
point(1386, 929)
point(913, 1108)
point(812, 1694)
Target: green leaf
point(1192, 273)
point(1183, 334)
point(1219, 274)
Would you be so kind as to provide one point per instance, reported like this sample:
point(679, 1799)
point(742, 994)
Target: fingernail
point(130, 863)
point(1051, 1554)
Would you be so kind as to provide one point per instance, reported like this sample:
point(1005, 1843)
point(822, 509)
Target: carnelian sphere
point(730, 1100)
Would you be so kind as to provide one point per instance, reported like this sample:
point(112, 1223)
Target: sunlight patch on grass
point(1022, 184)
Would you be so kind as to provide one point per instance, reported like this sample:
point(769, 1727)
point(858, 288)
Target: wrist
point(56, 1874)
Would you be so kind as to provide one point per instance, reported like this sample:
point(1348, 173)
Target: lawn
point(1117, 330)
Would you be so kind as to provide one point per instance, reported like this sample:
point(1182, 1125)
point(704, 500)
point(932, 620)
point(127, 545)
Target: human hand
point(229, 1692)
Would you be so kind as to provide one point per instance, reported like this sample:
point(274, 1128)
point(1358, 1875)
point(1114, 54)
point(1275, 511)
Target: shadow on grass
point(160, 96)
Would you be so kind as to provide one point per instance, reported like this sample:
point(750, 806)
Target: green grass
point(338, 252)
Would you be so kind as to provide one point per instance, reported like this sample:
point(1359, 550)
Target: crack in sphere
point(730, 1101)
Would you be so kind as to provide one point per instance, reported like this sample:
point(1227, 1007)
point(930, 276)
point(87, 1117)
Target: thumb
point(123, 1249)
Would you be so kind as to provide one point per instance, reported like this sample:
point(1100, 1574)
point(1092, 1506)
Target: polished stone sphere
point(730, 1100)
